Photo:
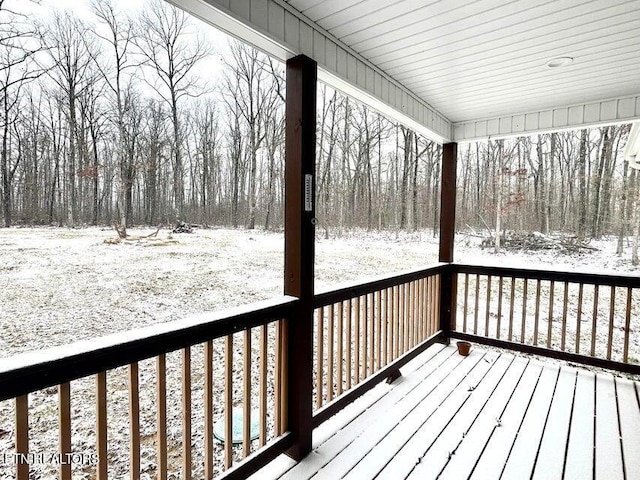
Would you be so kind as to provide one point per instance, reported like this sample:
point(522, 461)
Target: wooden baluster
point(401, 318)
point(476, 306)
point(498, 320)
point(246, 401)
point(101, 425)
point(264, 347)
point(579, 317)
point(208, 409)
point(22, 437)
point(365, 326)
point(228, 402)
point(349, 347)
point(134, 422)
point(407, 315)
point(280, 387)
point(550, 318)
point(594, 320)
point(396, 321)
point(410, 313)
point(426, 305)
point(278, 378)
point(330, 340)
point(536, 317)
point(487, 315)
point(320, 358)
point(378, 356)
point(356, 333)
point(512, 301)
point(436, 302)
point(64, 419)
point(420, 325)
point(385, 329)
point(340, 345)
point(524, 310)
point(161, 415)
point(565, 302)
point(426, 324)
point(284, 374)
point(466, 303)
point(186, 413)
point(627, 325)
point(612, 307)
point(417, 332)
point(372, 334)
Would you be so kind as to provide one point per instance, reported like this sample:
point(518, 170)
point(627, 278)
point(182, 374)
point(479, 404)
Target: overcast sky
point(210, 69)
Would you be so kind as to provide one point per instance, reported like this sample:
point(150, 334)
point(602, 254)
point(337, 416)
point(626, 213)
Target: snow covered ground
point(59, 285)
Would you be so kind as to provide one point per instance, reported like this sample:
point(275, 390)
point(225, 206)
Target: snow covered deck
point(486, 416)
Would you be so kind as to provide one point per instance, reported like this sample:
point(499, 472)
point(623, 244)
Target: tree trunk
point(582, 185)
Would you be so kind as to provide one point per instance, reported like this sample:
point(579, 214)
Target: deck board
point(489, 416)
point(552, 451)
point(428, 389)
point(446, 444)
point(475, 435)
point(442, 363)
point(608, 449)
point(398, 432)
point(495, 451)
point(525, 447)
point(413, 449)
point(579, 460)
point(630, 425)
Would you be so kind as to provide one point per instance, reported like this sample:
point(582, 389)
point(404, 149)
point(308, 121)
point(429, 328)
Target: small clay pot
point(463, 348)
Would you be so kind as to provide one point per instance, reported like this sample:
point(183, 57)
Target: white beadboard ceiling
point(463, 68)
point(473, 59)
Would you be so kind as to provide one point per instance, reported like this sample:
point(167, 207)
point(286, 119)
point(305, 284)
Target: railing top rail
point(359, 288)
point(619, 280)
point(31, 371)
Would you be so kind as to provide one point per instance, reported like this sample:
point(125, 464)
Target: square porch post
point(299, 238)
point(448, 285)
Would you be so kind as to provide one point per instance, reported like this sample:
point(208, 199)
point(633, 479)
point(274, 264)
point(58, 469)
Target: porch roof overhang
point(632, 149)
point(457, 70)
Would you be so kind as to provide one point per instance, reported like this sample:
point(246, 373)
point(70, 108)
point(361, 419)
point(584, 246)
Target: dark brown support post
point(299, 238)
point(448, 286)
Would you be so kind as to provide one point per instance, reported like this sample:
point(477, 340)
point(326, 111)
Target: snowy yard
point(61, 285)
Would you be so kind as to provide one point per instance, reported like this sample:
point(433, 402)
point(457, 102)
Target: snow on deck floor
point(491, 415)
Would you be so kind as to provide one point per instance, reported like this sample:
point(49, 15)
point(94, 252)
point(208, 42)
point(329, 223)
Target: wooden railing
point(585, 317)
point(367, 331)
point(152, 401)
point(145, 401)
point(148, 401)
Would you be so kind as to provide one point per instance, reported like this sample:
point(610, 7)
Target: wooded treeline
point(110, 120)
point(572, 181)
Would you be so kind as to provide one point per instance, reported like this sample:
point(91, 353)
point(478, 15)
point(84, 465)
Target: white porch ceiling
point(473, 67)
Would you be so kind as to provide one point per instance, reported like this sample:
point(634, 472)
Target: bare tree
point(72, 57)
point(20, 41)
point(119, 37)
point(256, 97)
point(171, 48)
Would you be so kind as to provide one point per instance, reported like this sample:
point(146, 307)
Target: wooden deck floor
point(490, 415)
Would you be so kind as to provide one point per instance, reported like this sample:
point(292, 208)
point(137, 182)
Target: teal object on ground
point(237, 415)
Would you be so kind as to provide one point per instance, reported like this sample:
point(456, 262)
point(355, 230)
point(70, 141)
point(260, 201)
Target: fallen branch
point(124, 237)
